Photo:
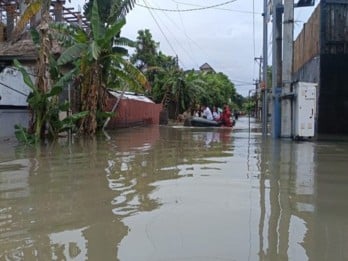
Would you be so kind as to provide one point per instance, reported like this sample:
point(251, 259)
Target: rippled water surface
point(175, 193)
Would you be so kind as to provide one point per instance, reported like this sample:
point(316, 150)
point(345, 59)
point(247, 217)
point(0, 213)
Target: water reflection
point(292, 191)
point(169, 193)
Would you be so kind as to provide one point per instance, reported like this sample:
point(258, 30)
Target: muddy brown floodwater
point(175, 193)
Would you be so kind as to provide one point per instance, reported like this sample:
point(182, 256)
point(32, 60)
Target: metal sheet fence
point(132, 113)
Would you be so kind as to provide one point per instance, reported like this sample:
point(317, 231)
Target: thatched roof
point(23, 49)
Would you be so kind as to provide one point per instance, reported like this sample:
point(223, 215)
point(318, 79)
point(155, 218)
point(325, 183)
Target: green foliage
point(23, 135)
point(109, 10)
point(72, 53)
point(172, 85)
point(249, 105)
point(99, 59)
point(26, 78)
point(145, 55)
point(68, 123)
point(220, 89)
point(35, 35)
point(45, 108)
point(102, 116)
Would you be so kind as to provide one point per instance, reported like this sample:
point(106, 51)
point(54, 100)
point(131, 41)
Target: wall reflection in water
point(302, 215)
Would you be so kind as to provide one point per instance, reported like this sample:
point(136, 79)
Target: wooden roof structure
point(25, 49)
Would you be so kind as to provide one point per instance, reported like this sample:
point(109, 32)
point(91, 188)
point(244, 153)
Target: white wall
point(13, 90)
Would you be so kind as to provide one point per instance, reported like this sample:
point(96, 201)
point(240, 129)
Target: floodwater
point(175, 193)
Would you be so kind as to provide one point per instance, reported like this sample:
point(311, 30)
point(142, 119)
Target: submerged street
point(175, 193)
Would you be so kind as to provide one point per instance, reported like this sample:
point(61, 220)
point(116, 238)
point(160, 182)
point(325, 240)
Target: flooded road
point(175, 193)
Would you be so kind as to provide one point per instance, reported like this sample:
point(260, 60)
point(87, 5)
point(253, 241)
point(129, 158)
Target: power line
point(184, 29)
point(174, 37)
point(13, 89)
point(223, 9)
point(186, 10)
point(159, 27)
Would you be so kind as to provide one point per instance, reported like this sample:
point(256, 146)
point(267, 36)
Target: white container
point(304, 109)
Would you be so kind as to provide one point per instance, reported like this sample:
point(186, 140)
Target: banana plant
point(45, 109)
point(99, 57)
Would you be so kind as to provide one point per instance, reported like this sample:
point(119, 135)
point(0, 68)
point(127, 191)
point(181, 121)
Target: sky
point(227, 37)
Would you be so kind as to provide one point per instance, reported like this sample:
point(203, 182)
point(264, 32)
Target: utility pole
point(258, 86)
point(276, 66)
point(265, 66)
point(286, 102)
point(256, 107)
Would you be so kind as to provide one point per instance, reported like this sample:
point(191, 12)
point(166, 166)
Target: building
point(321, 56)
point(206, 68)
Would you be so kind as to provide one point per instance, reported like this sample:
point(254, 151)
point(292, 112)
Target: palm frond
point(95, 21)
point(131, 71)
point(95, 50)
point(137, 75)
point(66, 78)
point(31, 10)
point(120, 51)
point(71, 53)
point(25, 74)
point(68, 35)
point(123, 41)
point(120, 8)
point(123, 78)
point(113, 30)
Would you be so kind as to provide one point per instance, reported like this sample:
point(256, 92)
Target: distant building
point(206, 68)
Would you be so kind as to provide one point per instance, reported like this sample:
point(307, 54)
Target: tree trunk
point(90, 92)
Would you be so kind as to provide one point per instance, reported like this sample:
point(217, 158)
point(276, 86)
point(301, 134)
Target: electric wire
point(223, 9)
point(13, 89)
point(185, 33)
point(159, 27)
point(187, 10)
point(177, 41)
point(164, 32)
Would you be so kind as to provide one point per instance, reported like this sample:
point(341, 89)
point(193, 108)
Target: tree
point(43, 79)
point(175, 88)
point(99, 59)
point(145, 55)
point(109, 10)
point(220, 90)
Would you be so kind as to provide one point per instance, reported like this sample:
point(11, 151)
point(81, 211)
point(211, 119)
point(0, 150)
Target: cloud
point(228, 38)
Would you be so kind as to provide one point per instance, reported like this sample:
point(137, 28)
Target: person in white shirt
point(216, 114)
point(207, 113)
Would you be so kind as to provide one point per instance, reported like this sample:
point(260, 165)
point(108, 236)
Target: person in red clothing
point(226, 117)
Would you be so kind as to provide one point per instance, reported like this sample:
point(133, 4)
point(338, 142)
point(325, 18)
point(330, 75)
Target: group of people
point(224, 117)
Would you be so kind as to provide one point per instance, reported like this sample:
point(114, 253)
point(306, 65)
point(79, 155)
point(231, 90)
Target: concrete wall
point(13, 90)
point(10, 117)
point(328, 65)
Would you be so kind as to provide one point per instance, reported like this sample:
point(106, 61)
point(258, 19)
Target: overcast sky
point(227, 37)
